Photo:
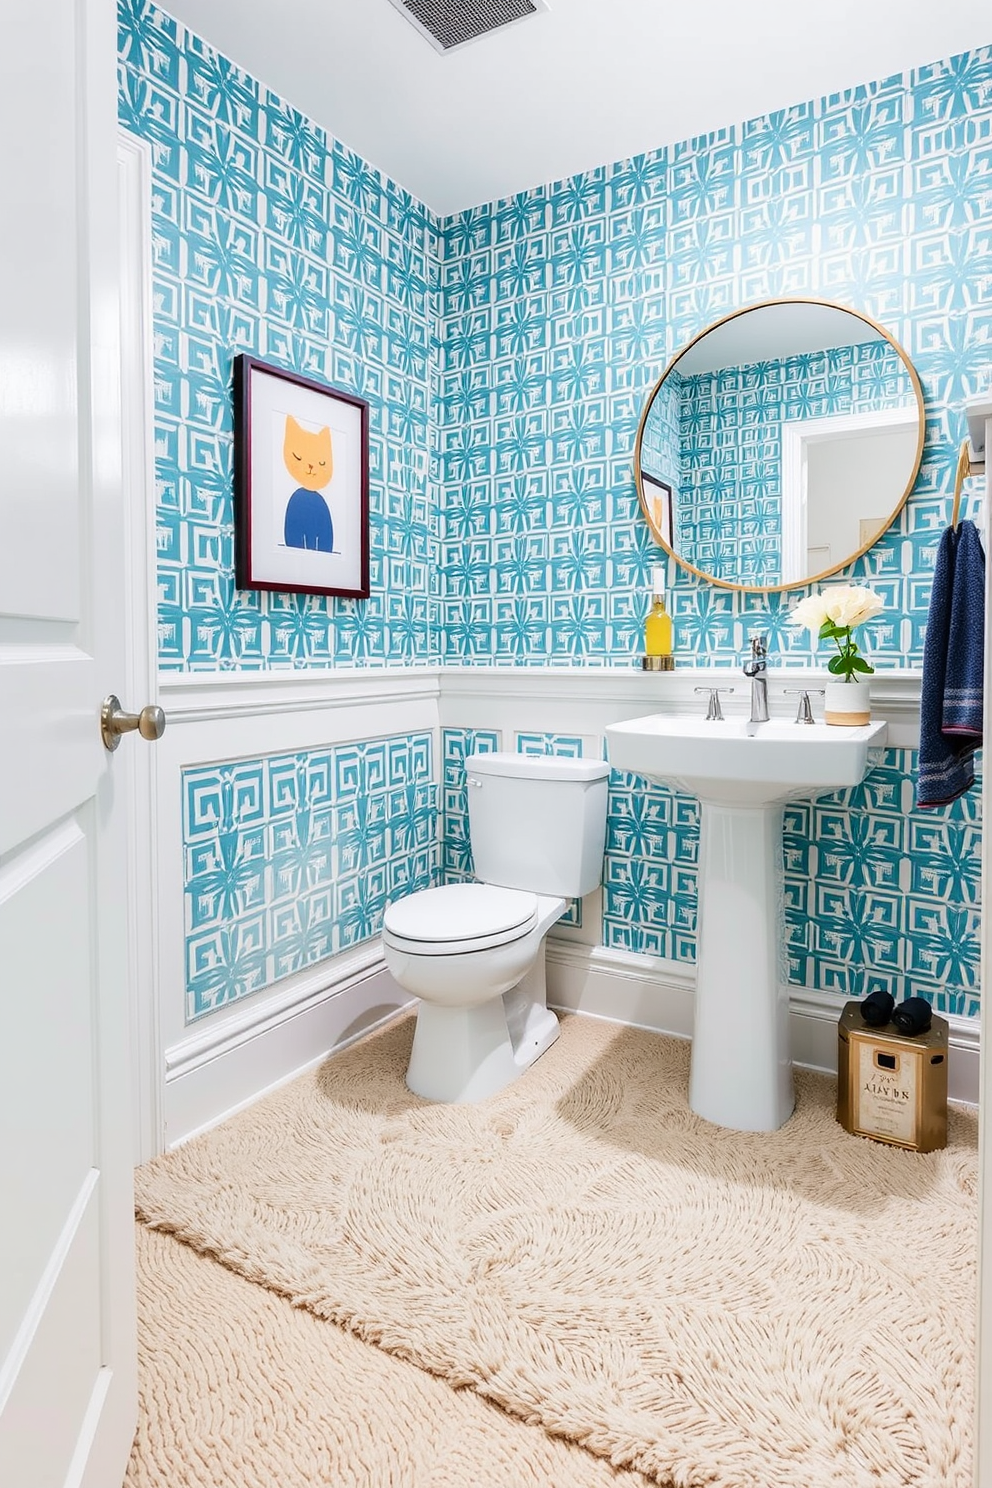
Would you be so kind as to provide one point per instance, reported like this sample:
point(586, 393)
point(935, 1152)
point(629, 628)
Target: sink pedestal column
point(741, 1062)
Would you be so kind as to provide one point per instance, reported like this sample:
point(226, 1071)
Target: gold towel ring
point(966, 467)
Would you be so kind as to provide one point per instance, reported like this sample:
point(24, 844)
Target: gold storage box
point(890, 1087)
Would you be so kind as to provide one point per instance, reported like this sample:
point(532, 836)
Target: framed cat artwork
point(301, 483)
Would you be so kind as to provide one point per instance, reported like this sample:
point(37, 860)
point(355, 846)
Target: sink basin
point(741, 763)
point(741, 1068)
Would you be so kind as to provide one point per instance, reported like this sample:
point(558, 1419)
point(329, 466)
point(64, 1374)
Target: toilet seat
point(459, 918)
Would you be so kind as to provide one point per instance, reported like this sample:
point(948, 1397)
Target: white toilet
point(474, 952)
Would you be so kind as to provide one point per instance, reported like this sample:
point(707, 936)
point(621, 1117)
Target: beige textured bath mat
point(241, 1390)
point(793, 1310)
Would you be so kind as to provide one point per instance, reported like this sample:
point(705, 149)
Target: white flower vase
point(847, 702)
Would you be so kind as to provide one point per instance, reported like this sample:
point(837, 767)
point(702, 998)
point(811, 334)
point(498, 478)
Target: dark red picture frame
point(267, 554)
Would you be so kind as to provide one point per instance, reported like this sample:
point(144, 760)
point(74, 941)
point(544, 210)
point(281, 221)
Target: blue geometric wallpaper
point(506, 354)
point(272, 239)
point(649, 874)
point(544, 320)
point(456, 746)
point(727, 488)
point(292, 858)
point(563, 305)
point(878, 896)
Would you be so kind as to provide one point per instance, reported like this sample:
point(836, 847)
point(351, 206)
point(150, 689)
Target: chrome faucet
point(757, 669)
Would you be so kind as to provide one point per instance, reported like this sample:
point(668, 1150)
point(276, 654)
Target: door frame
point(979, 415)
point(134, 174)
point(797, 436)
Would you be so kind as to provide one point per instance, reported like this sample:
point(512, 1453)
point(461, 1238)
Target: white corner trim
point(647, 992)
point(137, 687)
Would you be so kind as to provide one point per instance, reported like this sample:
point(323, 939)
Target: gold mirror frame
point(852, 557)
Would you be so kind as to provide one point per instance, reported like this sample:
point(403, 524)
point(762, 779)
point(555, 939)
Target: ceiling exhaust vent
point(448, 24)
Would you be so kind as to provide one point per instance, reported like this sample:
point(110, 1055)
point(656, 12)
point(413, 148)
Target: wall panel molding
point(215, 1072)
point(297, 995)
point(234, 1053)
point(647, 992)
point(261, 1038)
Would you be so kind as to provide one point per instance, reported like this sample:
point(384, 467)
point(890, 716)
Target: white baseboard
point(212, 1074)
point(646, 992)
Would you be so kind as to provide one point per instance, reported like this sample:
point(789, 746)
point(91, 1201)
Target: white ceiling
point(771, 331)
point(587, 83)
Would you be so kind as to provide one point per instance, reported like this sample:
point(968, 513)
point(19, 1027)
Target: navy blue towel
point(953, 666)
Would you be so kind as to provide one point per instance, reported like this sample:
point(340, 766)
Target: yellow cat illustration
point(309, 460)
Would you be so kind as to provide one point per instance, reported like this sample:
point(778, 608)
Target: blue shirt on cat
point(308, 522)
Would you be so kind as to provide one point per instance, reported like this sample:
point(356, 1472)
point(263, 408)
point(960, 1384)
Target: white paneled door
point(67, 1354)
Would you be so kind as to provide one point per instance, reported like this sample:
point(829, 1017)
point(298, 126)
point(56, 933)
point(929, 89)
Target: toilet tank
point(537, 821)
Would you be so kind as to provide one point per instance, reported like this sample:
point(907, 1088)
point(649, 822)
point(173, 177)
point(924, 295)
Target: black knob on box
point(877, 1009)
point(913, 1016)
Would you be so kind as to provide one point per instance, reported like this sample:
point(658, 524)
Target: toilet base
point(532, 1026)
point(467, 1053)
point(461, 1054)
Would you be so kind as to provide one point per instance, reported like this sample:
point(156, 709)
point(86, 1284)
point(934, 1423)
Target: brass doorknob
point(150, 722)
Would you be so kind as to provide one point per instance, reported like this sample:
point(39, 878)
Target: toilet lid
point(478, 913)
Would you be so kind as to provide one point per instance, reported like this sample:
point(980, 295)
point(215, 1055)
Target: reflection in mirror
point(779, 444)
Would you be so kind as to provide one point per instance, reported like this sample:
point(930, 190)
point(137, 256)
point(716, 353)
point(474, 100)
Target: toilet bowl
point(474, 952)
point(459, 949)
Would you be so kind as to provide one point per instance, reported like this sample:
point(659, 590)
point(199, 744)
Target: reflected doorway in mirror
point(833, 470)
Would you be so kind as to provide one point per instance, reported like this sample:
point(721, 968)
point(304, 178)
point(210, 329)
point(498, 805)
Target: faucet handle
point(714, 713)
point(805, 713)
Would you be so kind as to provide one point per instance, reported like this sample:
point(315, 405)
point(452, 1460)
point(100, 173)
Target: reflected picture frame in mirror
point(763, 441)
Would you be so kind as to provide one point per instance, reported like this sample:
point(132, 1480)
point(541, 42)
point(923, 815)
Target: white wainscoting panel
point(226, 1059)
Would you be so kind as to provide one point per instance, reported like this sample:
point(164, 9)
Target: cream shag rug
point(238, 1388)
point(792, 1310)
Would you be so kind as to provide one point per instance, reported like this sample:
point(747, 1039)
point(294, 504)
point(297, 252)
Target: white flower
point(851, 605)
point(847, 605)
point(810, 613)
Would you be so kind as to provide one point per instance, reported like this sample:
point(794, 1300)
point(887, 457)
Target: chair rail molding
point(198, 697)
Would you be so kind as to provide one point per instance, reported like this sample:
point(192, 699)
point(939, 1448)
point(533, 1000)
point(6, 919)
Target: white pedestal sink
point(741, 1072)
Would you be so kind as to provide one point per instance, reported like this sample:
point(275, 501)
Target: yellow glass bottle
point(658, 625)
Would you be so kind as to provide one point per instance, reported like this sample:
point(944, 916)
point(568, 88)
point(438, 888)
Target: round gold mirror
point(779, 444)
